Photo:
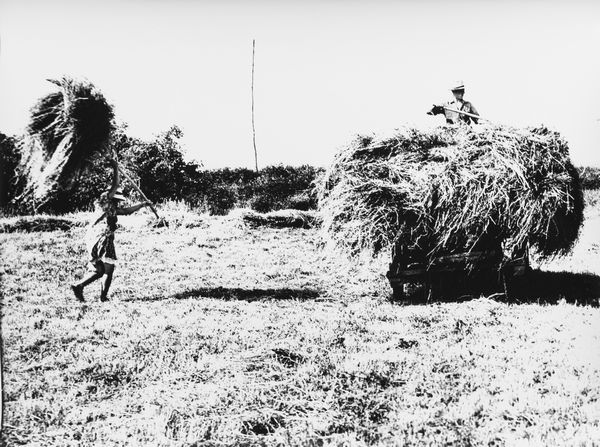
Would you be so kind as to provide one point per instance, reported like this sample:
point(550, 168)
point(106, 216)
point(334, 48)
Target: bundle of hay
point(281, 219)
point(450, 188)
point(67, 128)
point(34, 224)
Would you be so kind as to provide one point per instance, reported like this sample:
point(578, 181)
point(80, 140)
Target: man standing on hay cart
point(457, 205)
point(457, 111)
point(482, 268)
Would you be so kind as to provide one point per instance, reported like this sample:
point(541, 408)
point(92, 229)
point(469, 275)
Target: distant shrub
point(272, 188)
point(239, 181)
point(303, 201)
point(159, 165)
point(9, 159)
point(159, 168)
point(280, 187)
point(590, 177)
point(219, 200)
point(261, 203)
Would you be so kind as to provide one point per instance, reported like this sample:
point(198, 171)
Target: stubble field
point(221, 334)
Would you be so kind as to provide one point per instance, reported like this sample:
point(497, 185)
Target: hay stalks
point(40, 223)
point(452, 189)
point(67, 128)
point(280, 219)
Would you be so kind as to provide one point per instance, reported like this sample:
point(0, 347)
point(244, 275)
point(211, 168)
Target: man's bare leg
point(90, 278)
point(109, 269)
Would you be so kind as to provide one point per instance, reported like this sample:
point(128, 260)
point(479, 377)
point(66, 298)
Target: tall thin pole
point(253, 128)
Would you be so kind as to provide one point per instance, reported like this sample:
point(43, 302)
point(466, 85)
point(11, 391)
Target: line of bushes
point(590, 177)
point(161, 171)
point(270, 189)
point(159, 168)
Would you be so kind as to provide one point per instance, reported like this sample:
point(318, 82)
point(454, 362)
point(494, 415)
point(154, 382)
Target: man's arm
point(436, 110)
point(102, 216)
point(116, 180)
point(474, 111)
point(132, 209)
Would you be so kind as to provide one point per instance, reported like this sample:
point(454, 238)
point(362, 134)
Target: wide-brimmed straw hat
point(458, 86)
point(118, 195)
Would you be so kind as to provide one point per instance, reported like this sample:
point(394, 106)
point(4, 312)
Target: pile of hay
point(280, 219)
point(67, 128)
point(450, 188)
point(34, 224)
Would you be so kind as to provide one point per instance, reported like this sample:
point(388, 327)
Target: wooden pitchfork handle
point(137, 188)
point(472, 115)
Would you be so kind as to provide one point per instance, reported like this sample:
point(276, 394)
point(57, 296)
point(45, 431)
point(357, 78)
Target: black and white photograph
point(300, 223)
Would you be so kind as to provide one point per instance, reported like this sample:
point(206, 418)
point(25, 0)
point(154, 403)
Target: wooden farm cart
point(479, 271)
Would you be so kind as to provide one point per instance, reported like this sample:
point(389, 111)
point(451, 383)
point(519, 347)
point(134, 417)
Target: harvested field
point(227, 334)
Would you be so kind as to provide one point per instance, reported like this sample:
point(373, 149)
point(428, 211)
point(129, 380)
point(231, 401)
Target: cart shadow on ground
point(550, 287)
point(537, 287)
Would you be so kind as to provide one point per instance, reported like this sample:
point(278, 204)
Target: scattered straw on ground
point(279, 219)
point(232, 335)
point(32, 224)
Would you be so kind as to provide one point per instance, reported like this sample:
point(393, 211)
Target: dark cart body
point(481, 270)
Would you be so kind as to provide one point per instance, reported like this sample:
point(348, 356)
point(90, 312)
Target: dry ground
point(219, 334)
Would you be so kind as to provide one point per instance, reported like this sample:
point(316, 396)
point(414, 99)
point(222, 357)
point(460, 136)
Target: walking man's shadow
point(235, 293)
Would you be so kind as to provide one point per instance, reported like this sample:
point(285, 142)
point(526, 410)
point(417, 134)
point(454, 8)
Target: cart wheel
point(432, 288)
point(513, 287)
point(428, 293)
point(505, 278)
point(519, 286)
point(398, 292)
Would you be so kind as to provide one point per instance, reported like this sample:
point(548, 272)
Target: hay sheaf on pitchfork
point(67, 129)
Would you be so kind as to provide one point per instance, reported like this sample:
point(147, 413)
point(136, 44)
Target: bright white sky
point(324, 69)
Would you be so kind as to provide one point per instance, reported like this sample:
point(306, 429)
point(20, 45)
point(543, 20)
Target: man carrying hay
point(457, 111)
point(101, 237)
